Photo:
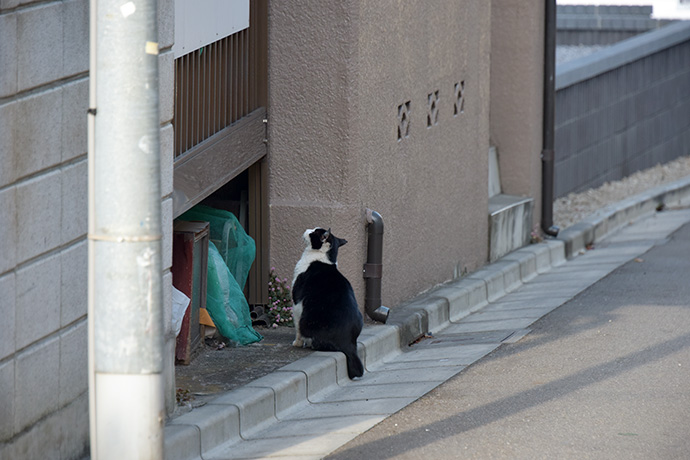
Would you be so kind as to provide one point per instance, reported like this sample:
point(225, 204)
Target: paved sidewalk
point(605, 376)
point(310, 408)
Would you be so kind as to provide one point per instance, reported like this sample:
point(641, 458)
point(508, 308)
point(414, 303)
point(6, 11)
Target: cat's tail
point(355, 368)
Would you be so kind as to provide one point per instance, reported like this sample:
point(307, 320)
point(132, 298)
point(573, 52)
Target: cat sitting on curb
point(325, 310)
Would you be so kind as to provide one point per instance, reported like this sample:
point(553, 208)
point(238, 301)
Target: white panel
point(201, 22)
point(130, 416)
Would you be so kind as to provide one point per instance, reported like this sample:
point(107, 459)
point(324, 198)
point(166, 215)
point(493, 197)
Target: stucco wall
point(338, 72)
point(517, 56)
point(44, 87)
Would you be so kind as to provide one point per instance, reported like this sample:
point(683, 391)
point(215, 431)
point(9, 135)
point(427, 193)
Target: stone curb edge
point(240, 412)
point(612, 217)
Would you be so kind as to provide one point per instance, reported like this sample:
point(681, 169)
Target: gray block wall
point(623, 109)
point(44, 87)
point(43, 194)
point(602, 24)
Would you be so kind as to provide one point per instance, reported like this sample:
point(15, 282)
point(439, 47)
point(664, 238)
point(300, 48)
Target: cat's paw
point(298, 342)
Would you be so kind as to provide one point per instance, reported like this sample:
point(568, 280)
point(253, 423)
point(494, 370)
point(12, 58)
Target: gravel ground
point(576, 206)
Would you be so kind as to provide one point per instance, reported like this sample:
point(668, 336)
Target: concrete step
point(510, 224)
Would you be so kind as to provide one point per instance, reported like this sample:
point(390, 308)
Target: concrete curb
point(612, 217)
point(239, 413)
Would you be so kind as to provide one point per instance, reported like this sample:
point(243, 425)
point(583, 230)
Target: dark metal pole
point(547, 154)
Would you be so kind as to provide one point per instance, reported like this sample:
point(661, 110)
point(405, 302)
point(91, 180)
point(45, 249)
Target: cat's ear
point(341, 241)
point(325, 236)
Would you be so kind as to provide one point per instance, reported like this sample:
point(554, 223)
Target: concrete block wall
point(43, 197)
point(44, 87)
point(623, 109)
point(166, 81)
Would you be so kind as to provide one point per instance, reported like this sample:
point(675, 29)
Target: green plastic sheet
point(231, 253)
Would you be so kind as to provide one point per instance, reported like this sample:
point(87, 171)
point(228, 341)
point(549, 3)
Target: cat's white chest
point(308, 257)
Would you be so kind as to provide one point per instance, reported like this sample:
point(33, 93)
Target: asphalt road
point(605, 376)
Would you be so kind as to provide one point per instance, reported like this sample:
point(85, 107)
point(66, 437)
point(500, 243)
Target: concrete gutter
point(241, 412)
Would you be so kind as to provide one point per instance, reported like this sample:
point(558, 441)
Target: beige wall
point(517, 54)
point(338, 70)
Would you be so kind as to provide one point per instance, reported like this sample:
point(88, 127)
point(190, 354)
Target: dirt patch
point(216, 370)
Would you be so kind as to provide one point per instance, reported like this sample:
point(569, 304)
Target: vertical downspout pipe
point(125, 233)
point(373, 268)
point(547, 154)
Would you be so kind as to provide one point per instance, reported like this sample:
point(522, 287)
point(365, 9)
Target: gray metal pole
point(125, 311)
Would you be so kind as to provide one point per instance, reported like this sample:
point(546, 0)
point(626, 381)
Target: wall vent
point(459, 106)
point(403, 120)
point(432, 109)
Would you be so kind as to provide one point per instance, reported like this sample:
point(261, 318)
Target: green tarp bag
point(225, 302)
point(235, 246)
point(231, 253)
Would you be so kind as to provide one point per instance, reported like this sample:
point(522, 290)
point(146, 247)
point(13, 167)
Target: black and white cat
point(325, 310)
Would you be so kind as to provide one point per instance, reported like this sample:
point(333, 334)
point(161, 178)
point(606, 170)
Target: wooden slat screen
point(220, 83)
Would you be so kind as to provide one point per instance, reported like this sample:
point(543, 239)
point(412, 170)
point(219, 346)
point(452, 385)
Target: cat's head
point(322, 240)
